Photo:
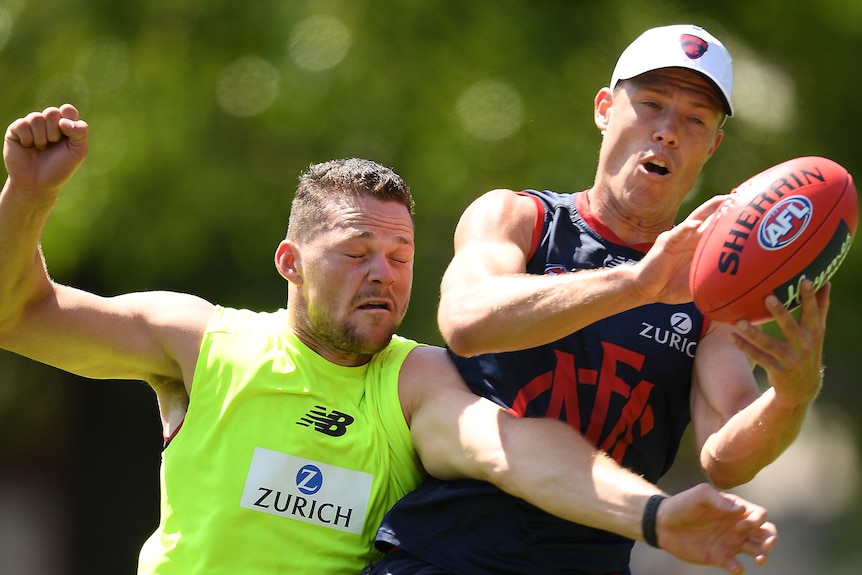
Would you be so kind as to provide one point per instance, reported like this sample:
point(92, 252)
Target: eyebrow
point(709, 99)
point(366, 235)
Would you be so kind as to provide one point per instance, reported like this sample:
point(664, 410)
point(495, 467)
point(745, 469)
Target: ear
point(602, 106)
point(718, 138)
point(288, 261)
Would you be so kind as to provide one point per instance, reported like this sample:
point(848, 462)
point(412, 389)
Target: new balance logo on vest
point(333, 423)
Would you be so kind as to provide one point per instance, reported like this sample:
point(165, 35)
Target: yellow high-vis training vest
point(285, 463)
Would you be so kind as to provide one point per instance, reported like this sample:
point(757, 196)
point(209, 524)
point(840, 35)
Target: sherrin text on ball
point(794, 221)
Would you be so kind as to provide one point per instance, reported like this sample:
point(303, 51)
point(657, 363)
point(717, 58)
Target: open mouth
point(657, 167)
point(375, 305)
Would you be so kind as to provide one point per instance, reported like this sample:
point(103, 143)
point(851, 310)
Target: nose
point(667, 131)
point(380, 270)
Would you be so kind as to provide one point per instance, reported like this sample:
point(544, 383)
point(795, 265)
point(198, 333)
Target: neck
point(302, 328)
point(330, 354)
point(632, 227)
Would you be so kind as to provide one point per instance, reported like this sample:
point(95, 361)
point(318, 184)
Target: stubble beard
point(347, 338)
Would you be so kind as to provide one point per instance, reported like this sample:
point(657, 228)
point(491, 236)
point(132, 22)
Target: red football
point(793, 221)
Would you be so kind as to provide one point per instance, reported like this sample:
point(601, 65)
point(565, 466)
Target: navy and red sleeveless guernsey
point(624, 382)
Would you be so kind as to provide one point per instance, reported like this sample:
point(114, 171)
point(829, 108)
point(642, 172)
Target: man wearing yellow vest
point(291, 433)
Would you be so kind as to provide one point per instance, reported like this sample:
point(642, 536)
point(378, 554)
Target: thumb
point(726, 502)
point(71, 124)
point(710, 207)
point(75, 130)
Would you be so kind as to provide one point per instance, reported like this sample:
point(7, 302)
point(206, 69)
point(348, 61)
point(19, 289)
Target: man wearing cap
point(617, 349)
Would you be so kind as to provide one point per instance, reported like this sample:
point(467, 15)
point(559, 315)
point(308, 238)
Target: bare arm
point(149, 336)
point(489, 303)
point(551, 465)
point(739, 430)
point(41, 152)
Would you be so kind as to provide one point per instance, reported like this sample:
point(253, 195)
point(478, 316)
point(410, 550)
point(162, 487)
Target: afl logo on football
point(784, 222)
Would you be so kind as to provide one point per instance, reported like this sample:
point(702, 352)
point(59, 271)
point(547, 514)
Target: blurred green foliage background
point(203, 113)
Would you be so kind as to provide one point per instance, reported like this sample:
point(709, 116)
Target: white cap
point(679, 46)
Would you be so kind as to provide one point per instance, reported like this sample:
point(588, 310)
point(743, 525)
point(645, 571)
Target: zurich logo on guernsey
point(296, 488)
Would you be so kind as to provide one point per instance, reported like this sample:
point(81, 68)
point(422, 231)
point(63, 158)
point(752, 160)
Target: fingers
point(760, 545)
point(815, 306)
point(707, 208)
point(684, 235)
point(760, 548)
point(793, 365)
point(72, 126)
point(36, 129)
point(807, 333)
point(733, 566)
point(761, 539)
point(756, 535)
point(784, 318)
point(723, 501)
point(43, 149)
point(760, 535)
point(40, 129)
point(707, 527)
point(69, 111)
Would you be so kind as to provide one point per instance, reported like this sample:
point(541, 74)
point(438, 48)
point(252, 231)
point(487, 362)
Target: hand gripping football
point(793, 221)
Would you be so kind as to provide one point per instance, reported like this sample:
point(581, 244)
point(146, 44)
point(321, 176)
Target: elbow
point(19, 311)
point(724, 466)
point(461, 335)
point(19, 296)
point(9, 321)
point(469, 341)
point(725, 476)
point(725, 482)
point(462, 343)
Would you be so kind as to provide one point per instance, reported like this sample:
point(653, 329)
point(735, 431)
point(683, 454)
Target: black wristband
point(648, 522)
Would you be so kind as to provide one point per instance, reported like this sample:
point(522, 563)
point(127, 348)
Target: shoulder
point(504, 204)
point(421, 363)
point(394, 358)
point(500, 216)
point(227, 319)
point(427, 373)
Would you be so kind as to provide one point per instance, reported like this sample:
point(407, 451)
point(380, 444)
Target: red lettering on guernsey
point(563, 387)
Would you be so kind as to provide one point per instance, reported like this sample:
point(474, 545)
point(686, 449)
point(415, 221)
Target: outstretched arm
point(488, 303)
point(552, 466)
point(149, 336)
point(41, 152)
point(738, 429)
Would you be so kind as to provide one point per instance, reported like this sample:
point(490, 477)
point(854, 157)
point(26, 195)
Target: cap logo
point(693, 46)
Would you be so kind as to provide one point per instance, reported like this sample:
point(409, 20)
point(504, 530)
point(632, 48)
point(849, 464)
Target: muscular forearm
point(699, 525)
point(41, 152)
point(556, 469)
point(552, 466)
point(751, 439)
point(520, 311)
point(22, 272)
point(543, 461)
point(487, 308)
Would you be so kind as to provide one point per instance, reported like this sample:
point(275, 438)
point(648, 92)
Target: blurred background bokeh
point(202, 115)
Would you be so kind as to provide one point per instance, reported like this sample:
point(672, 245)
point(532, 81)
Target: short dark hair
point(322, 183)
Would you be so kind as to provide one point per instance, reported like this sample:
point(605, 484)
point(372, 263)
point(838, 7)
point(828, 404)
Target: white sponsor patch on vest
point(306, 490)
